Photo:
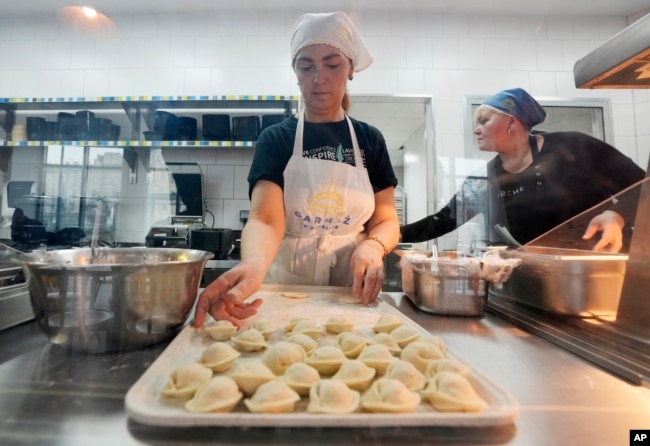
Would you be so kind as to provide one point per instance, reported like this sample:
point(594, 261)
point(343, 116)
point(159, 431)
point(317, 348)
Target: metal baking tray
point(144, 404)
point(565, 281)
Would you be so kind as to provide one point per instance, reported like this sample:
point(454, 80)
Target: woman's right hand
point(225, 298)
point(611, 225)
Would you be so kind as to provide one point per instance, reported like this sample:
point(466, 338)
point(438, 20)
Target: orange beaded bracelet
point(380, 242)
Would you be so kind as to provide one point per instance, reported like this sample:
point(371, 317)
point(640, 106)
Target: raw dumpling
point(185, 380)
point(387, 323)
point(300, 377)
point(407, 374)
point(250, 375)
point(273, 397)
point(219, 394)
point(250, 340)
point(308, 343)
point(452, 392)
point(220, 330)
point(307, 327)
point(327, 359)
point(436, 340)
point(355, 374)
point(350, 343)
point(281, 355)
point(339, 323)
point(219, 356)
point(332, 396)
point(376, 356)
point(404, 335)
point(389, 395)
point(350, 299)
point(446, 365)
point(264, 326)
point(292, 324)
point(420, 353)
point(295, 295)
point(387, 340)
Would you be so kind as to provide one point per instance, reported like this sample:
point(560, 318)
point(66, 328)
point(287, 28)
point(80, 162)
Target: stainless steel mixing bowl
point(120, 299)
point(452, 291)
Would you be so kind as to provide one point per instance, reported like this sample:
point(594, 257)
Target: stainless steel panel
point(565, 281)
point(634, 306)
point(619, 62)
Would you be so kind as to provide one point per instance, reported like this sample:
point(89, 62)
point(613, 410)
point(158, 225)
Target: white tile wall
point(444, 56)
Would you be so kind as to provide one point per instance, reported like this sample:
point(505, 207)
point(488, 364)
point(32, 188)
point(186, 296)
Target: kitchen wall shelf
point(128, 143)
point(141, 110)
point(134, 115)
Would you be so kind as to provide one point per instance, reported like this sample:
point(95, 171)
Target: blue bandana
point(518, 103)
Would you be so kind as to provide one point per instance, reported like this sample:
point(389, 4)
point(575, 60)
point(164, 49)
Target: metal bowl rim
point(201, 256)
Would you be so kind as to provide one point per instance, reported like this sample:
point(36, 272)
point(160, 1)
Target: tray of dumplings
point(314, 357)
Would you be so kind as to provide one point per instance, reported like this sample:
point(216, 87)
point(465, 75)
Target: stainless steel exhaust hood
point(623, 61)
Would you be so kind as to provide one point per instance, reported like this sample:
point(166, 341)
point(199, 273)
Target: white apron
point(326, 205)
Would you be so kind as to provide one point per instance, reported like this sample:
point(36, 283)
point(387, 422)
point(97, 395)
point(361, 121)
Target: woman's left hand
point(368, 269)
point(611, 224)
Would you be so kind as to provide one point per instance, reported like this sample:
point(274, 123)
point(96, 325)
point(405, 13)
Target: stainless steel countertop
point(54, 397)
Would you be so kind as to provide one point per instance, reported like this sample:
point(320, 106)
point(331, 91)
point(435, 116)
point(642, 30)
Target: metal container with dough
point(565, 281)
point(454, 291)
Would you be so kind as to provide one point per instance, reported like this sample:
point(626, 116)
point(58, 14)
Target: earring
point(350, 77)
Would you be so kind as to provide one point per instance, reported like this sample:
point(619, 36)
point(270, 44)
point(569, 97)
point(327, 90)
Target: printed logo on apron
point(326, 209)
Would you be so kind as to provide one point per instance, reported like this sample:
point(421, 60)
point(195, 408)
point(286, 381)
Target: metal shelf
point(137, 112)
point(129, 143)
point(141, 109)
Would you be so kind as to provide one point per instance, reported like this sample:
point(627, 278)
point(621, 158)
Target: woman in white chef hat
point(321, 185)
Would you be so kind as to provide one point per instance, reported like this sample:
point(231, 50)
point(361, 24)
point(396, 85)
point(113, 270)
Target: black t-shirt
point(572, 173)
point(326, 141)
point(526, 215)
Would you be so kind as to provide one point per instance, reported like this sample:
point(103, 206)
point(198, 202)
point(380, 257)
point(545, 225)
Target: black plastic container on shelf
point(67, 123)
point(105, 129)
point(245, 128)
point(52, 132)
point(269, 120)
point(186, 128)
point(167, 123)
point(216, 127)
point(36, 128)
point(89, 129)
point(86, 124)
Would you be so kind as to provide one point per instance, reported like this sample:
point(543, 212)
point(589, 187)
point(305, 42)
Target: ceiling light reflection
point(89, 12)
point(86, 19)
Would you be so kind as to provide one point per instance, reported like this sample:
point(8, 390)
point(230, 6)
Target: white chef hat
point(333, 28)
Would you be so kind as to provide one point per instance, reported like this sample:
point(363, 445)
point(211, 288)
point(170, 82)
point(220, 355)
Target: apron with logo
point(326, 205)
